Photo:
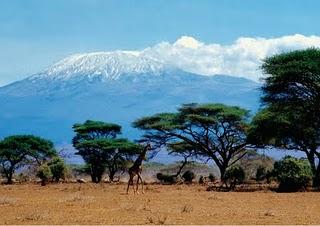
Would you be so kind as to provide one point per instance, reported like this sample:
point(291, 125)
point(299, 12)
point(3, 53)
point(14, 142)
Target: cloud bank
point(242, 58)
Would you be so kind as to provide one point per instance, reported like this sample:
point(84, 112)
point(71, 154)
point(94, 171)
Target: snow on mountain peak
point(108, 65)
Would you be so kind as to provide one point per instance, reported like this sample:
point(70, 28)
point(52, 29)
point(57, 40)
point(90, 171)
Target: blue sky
point(36, 33)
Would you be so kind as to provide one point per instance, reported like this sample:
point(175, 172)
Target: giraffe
point(136, 169)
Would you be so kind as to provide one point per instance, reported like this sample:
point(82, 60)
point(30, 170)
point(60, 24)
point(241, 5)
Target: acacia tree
point(215, 131)
point(97, 144)
point(17, 151)
point(290, 116)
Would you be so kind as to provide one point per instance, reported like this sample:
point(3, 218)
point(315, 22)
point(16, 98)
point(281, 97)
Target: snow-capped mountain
point(111, 86)
point(98, 67)
point(106, 65)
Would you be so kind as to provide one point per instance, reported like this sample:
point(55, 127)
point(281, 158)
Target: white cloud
point(242, 58)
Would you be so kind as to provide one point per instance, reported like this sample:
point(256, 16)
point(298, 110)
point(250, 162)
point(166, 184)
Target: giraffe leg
point(139, 177)
point(129, 182)
point(137, 185)
point(135, 188)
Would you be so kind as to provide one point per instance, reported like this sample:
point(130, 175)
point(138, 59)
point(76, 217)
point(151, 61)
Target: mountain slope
point(117, 87)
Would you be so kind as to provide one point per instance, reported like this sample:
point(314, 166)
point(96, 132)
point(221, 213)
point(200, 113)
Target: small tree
point(17, 151)
point(58, 168)
point(44, 173)
point(293, 174)
point(97, 144)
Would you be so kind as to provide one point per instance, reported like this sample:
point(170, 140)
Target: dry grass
point(7, 201)
point(181, 204)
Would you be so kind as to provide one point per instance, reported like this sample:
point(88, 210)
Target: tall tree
point(96, 142)
point(216, 131)
point(290, 116)
point(17, 151)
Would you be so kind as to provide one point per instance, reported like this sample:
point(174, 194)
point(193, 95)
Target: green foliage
point(293, 174)
point(234, 175)
point(291, 93)
point(20, 150)
point(58, 168)
point(97, 144)
point(188, 176)
point(90, 130)
point(213, 131)
point(44, 173)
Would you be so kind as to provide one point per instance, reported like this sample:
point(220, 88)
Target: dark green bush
point(166, 179)
point(292, 174)
point(159, 176)
point(270, 176)
point(234, 175)
point(202, 180)
point(188, 176)
point(58, 168)
point(212, 177)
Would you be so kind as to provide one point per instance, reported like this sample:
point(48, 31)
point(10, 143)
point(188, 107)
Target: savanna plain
point(72, 203)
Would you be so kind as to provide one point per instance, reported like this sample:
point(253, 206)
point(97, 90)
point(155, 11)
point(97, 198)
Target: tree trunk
point(9, 178)
point(96, 175)
point(93, 178)
point(316, 177)
point(181, 167)
point(43, 182)
point(223, 170)
point(111, 175)
point(314, 168)
point(99, 178)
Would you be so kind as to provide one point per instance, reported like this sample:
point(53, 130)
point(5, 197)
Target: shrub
point(212, 177)
point(234, 175)
point(292, 174)
point(159, 176)
point(202, 180)
point(188, 176)
point(57, 168)
point(44, 173)
point(261, 173)
point(270, 176)
point(167, 179)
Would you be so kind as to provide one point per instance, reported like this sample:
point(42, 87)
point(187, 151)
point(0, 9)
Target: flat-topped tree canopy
point(109, 147)
point(292, 78)
point(95, 129)
point(291, 104)
point(18, 150)
point(32, 147)
point(216, 131)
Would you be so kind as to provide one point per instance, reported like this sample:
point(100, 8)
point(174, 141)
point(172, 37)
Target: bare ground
point(179, 204)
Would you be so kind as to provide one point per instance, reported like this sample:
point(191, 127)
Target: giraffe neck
point(141, 157)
